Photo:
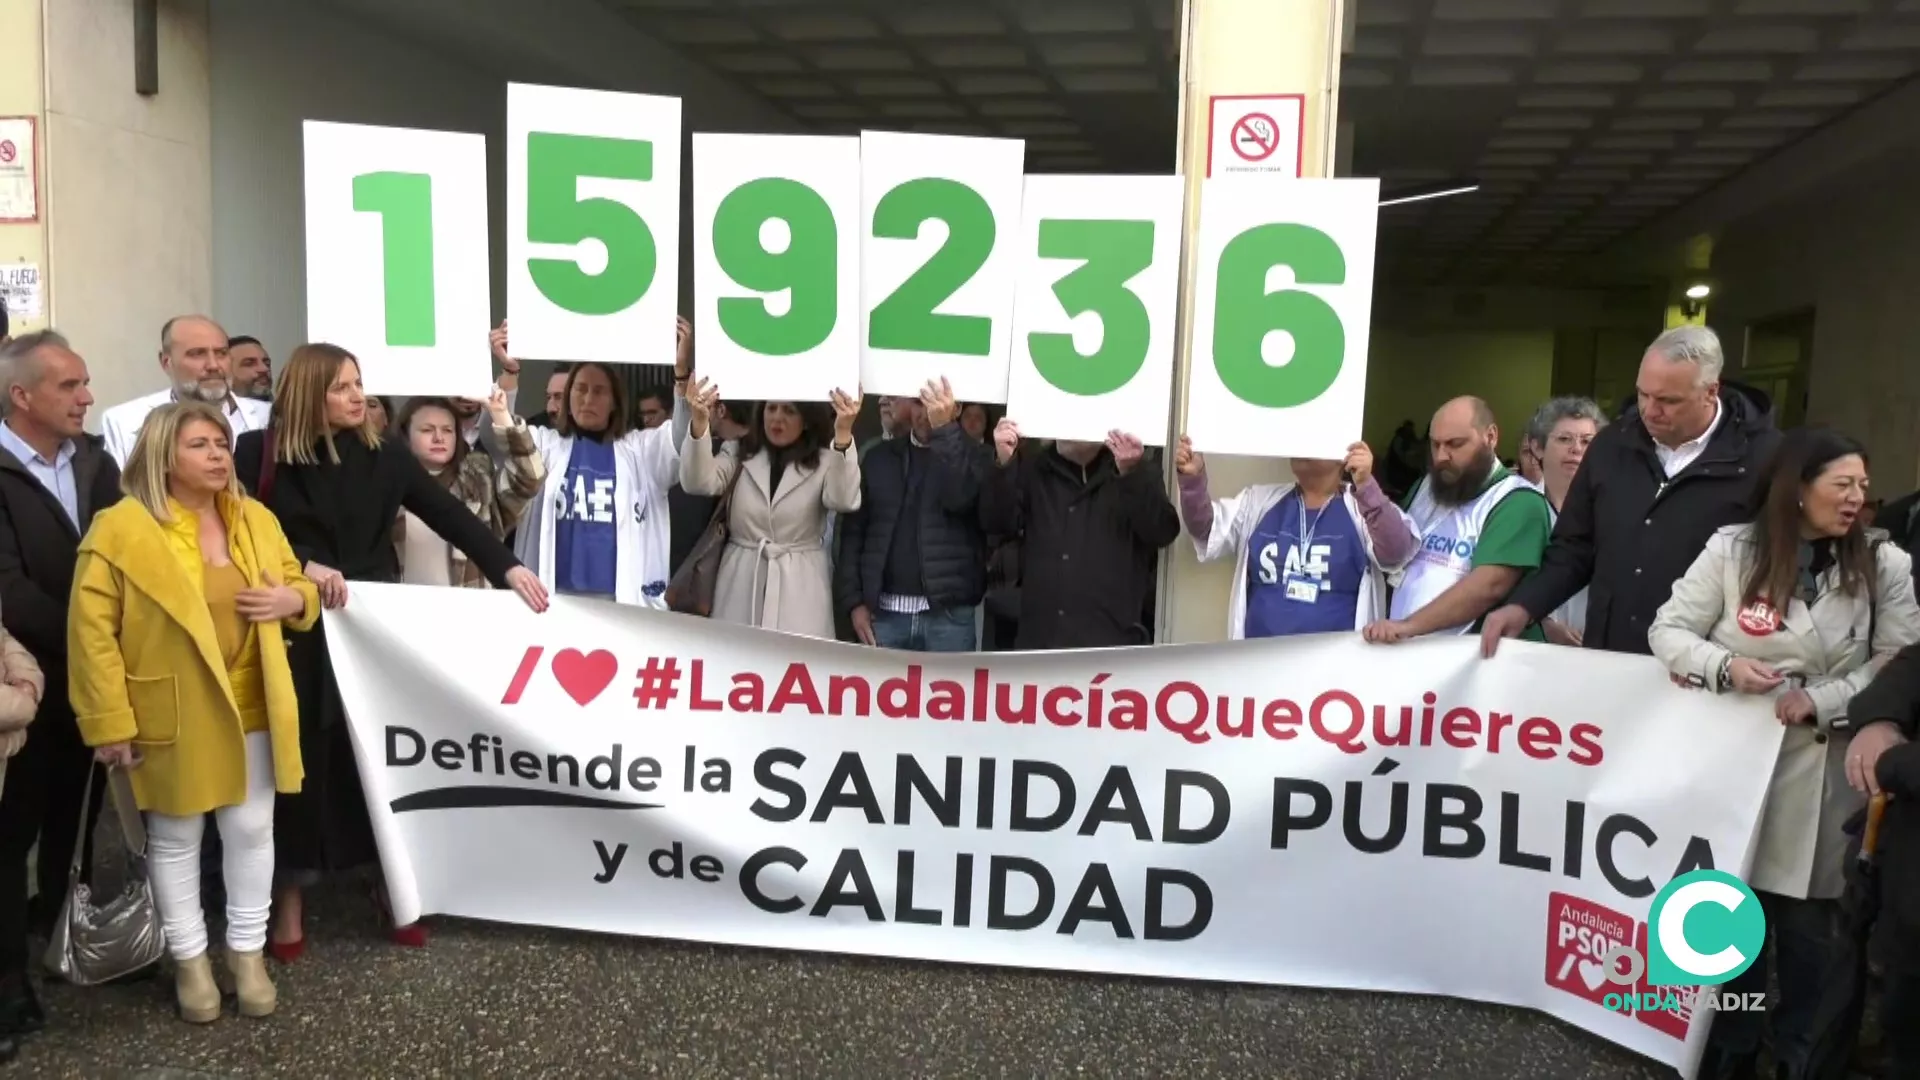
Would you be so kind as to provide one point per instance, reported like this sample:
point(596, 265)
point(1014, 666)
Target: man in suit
point(53, 479)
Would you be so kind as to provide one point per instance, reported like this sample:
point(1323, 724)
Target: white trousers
point(246, 843)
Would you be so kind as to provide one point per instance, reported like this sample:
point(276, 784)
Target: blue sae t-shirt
point(583, 530)
point(1304, 570)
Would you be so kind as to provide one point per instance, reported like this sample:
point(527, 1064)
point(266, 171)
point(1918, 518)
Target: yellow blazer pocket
point(156, 708)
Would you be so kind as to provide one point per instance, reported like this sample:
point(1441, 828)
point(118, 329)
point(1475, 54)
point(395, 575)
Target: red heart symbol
point(584, 675)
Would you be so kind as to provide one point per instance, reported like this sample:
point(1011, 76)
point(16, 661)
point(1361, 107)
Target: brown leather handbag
point(691, 589)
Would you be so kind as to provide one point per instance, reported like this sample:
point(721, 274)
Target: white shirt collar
point(1694, 446)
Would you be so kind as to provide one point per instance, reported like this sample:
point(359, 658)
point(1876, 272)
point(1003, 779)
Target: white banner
point(1313, 812)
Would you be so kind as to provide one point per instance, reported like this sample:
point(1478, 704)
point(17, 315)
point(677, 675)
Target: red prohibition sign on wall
point(1255, 137)
point(8, 152)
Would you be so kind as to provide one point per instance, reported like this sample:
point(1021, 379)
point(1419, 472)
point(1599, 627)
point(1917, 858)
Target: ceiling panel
point(1582, 119)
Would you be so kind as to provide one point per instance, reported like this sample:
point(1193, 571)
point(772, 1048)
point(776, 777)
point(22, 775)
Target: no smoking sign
point(1257, 134)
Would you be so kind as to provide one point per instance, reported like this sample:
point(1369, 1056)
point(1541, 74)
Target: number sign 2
point(397, 260)
point(1283, 295)
point(593, 224)
point(776, 264)
point(1099, 283)
point(939, 233)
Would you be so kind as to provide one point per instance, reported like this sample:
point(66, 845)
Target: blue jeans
point(944, 630)
point(1817, 969)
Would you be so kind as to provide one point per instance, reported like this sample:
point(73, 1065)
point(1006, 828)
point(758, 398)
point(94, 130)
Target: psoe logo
point(1705, 928)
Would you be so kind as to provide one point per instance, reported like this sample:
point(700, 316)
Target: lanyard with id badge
point(1301, 587)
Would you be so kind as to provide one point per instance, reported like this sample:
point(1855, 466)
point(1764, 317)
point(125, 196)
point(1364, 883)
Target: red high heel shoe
point(411, 936)
point(286, 952)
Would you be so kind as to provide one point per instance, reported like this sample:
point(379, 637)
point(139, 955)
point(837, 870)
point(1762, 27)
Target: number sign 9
point(397, 261)
point(1282, 299)
point(593, 224)
point(938, 261)
point(776, 264)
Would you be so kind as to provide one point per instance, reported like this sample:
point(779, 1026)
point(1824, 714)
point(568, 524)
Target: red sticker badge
point(1759, 619)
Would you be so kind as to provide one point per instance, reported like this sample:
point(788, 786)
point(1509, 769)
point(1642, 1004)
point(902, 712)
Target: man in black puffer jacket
point(912, 561)
point(1678, 467)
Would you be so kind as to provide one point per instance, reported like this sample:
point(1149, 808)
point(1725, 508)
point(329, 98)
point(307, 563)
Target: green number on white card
point(1245, 313)
point(1113, 253)
point(404, 202)
point(906, 320)
point(807, 269)
point(556, 214)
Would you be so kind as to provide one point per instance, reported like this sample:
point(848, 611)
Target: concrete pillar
point(1240, 47)
point(22, 94)
point(128, 184)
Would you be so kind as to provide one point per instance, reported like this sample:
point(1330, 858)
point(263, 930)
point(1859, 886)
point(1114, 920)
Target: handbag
point(98, 943)
point(691, 589)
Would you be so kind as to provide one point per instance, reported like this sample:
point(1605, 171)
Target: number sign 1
point(1099, 283)
point(939, 220)
point(776, 264)
point(593, 224)
point(1283, 294)
point(397, 260)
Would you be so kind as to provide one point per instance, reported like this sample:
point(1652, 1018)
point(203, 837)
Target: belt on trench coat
point(765, 551)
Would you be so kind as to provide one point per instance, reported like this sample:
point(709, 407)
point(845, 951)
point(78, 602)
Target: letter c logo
point(1725, 915)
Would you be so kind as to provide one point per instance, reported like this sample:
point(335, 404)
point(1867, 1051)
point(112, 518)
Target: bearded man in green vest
point(1482, 529)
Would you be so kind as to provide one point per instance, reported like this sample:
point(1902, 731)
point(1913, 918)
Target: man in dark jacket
point(1681, 465)
point(1884, 757)
point(53, 479)
point(1091, 522)
point(912, 564)
point(1901, 519)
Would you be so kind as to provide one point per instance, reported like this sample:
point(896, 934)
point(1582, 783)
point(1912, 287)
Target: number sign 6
point(1283, 297)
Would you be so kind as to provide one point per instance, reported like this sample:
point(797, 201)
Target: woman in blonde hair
point(180, 676)
point(337, 486)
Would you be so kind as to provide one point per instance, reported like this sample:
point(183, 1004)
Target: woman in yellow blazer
point(179, 674)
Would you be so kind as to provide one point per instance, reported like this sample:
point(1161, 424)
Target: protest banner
point(1311, 812)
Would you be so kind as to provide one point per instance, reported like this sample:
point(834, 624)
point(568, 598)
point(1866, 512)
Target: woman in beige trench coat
point(1800, 607)
point(791, 469)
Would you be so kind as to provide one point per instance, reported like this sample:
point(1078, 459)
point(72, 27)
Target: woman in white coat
point(792, 469)
point(599, 527)
point(1802, 606)
point(1309, 557)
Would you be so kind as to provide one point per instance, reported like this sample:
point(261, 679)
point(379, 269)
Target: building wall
point(411, 65)
point(1851, 251)
point(1410, 374)
point(347, 72)
point(127, 199)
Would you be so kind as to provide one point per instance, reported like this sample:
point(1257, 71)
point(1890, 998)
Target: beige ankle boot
point(251, 983)
point(194, 988)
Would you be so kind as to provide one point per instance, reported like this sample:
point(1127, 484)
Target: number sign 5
point(593, 224)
